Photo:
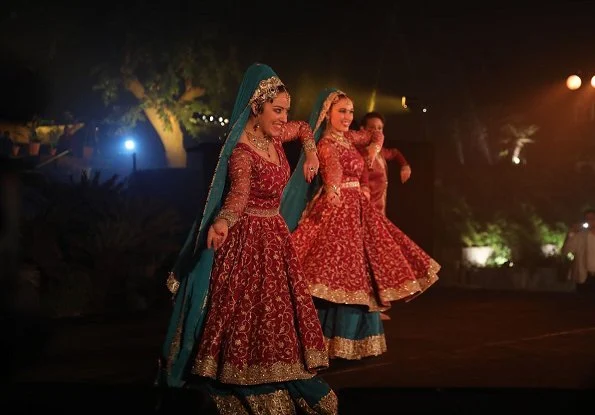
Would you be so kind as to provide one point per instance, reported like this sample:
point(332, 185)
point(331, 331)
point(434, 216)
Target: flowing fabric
point(355, 260)
point(213, 287)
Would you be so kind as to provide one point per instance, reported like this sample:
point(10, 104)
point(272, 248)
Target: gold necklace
point(261, 143)
point(340, 139)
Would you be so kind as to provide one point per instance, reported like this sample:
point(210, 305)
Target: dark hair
point(371, 115)
point(260, 104)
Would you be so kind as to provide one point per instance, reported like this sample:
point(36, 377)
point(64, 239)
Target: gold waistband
point(347, 185)
point(254, 211)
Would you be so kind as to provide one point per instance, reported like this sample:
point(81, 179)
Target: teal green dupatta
point(192, 271)
point(351, 330)
point(298, 191)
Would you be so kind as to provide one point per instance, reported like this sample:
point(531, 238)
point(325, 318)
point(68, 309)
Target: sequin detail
point(339, 347)
point(261, 325)
point(267, 213)
point(172, 283)
point(349, 185)
point(251, 375)
point(229, 405)
point(328, 405)
point(352, 254)
point(266, 90)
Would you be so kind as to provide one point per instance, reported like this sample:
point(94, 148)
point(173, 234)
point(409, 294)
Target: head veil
point(298, 191)
point(192, 269)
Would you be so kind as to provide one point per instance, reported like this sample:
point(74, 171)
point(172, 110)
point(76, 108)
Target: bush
point(98, 248)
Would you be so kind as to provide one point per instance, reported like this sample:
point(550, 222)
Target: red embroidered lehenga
point(262, 326)
point(353, 255)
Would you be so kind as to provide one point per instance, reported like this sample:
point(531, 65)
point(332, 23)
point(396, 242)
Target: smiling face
point(341, 115)
point(273, 115)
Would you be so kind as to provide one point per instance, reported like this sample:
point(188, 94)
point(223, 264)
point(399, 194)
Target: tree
point(170, 80)
point(516, 138)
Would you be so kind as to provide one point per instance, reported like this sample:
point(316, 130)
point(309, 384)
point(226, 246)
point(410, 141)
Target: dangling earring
point(255, 126)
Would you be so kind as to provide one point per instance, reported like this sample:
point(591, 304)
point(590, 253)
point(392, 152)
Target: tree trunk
point(172, 138)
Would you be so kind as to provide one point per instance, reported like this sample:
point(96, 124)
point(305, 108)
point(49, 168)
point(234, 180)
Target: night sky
point(492, 53)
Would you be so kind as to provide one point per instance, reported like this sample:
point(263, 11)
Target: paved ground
point(447, 338)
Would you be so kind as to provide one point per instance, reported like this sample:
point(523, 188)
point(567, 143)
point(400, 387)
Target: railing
point(52, 159)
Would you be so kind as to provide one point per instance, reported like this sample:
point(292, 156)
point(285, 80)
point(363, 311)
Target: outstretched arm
point(394, 154)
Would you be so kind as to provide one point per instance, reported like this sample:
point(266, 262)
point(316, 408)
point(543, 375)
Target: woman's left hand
point(310, 166)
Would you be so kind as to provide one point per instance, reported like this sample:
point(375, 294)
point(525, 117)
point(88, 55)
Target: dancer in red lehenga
point(377, 173)
point(261, 344)
point(354, 258)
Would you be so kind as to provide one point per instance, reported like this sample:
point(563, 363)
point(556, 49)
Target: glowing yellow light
point(404, 102)
point(593, 81)
point(372, 104)
point(573, 82)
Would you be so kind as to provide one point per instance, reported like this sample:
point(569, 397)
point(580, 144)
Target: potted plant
point(552, 238)
point(54, 136)
point(484, 244)
point(34, 143)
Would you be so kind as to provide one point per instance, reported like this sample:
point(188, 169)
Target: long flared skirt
point(351, 331)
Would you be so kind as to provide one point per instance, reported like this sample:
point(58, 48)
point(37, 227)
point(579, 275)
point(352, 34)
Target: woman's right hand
point(217, 234)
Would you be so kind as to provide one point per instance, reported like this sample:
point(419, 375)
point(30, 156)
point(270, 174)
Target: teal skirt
point(310, 396)
point(351, 332)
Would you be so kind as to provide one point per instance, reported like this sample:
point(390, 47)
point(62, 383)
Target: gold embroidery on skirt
point(251, 375)
point(274, 403)
point(229, 405)
point(356, 349)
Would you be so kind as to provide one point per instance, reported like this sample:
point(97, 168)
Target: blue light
point(129, 145)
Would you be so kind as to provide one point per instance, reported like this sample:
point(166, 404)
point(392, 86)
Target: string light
point(215, 119)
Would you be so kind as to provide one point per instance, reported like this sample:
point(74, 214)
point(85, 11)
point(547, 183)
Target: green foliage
point(495, 234)
point(514, 235)
point(554, 233)
point(167, 68)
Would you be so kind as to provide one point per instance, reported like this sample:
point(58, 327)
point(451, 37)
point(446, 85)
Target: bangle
point(228, 216)
point(309, 145)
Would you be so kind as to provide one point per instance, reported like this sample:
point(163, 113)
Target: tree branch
point(137, 89)
point(191, 93)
